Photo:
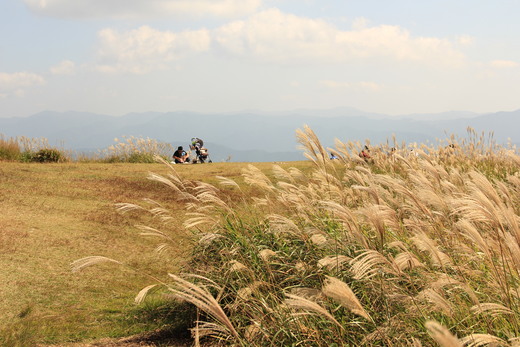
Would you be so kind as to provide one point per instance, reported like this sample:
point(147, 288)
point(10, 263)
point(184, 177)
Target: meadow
point(54, 213)
point(416, 246)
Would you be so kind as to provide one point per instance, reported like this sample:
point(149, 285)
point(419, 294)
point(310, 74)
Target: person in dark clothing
point(365, 154)
point(180, 156)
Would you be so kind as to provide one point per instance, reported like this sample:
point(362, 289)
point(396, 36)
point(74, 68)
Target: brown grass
point(53, 214)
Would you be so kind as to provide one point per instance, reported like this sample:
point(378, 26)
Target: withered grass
point(417, 246)
point(53, 214)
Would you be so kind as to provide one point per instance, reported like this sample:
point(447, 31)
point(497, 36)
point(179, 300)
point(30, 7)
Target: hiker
point(413, 152)
point(365, 154)
point(180, 156)
point(451, 148)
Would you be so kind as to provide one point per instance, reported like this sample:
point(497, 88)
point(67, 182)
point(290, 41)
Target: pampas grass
point(300, 303)
point(200, 296)
point(382, 251)
point(341, 293)
point(441, 335)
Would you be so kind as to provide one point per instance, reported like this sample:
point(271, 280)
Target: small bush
point(27, 150)
point(140, 157)
point(26, 157)
point(48, 155)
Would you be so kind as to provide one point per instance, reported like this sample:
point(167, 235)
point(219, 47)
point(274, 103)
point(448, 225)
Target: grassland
point(53, 214)
point(410, 247)
point(417, 246)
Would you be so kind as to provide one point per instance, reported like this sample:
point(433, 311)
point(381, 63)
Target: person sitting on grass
point(180, 156)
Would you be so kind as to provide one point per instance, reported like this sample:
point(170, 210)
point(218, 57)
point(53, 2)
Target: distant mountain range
point(254, 136)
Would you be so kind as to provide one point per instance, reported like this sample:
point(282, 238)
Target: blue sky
point(396, 57)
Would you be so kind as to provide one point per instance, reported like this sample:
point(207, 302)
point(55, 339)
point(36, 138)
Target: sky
point(387, 56)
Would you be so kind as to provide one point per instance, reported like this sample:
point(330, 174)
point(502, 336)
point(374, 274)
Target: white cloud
point(143, 8)
point(274, 36)
point(504, 64)
point(16, 83)
point(146, 49)
point(66, 67)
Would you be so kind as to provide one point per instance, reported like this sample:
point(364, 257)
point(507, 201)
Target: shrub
point(26, 157)
point(139, 157)
point(48, 155)
point(27, 150)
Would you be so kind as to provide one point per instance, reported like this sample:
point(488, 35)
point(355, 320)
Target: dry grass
point(9, 148)
point(126, 150)
point(53, 214)
point(415, 246)
point(132, 149)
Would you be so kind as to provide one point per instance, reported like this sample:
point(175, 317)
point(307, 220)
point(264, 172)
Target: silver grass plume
point(333, 262)
point(437, 300)
point(301, 303)
point(202, 299)
point(492, 309)
point(369, 264)
point(477, 340)
point(442, 335)
point(340, 292)
point(423, 242)
point(82, 263)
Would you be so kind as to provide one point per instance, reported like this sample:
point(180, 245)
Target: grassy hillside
point(417, 246)
point(53, 214)
point(408, 247)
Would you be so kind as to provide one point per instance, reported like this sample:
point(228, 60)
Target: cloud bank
point(272, 36)
point(16, 83)
point(275, 36)
point(145, 49)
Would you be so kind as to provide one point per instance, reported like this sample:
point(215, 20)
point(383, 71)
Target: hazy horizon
point(327, 112)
